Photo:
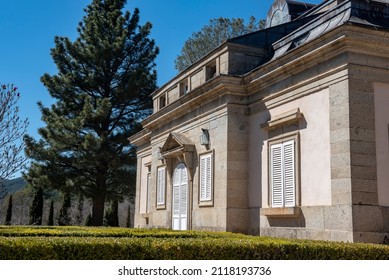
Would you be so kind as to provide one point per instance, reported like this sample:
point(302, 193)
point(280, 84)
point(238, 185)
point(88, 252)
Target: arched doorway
point(180, 198)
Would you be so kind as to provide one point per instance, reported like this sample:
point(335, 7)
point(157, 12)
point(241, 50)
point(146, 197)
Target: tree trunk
point(99, 197)
point(98, 210)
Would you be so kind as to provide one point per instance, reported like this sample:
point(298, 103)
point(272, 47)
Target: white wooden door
point(180, 198)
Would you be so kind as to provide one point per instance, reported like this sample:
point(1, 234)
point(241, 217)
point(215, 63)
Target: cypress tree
point(36, 209)
point(8, 217)
point(111, 217)
point(102, 92)
point(80, 209)
point(50, 221)
point(129, 216)
point(88, 220)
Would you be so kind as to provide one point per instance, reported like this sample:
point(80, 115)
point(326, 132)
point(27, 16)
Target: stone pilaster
point(338, 217)
point(237, 165)
point(368, 223)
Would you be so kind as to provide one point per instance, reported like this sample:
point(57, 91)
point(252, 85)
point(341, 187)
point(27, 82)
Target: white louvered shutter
point(206, 177)
point(161, 186)
point(180, 198)
point(176, 194)
point(203, 181)
point(283, 176)
point(176, 207)
point(276, 175)
point(289, 173)
point(184, 199)
point(184, 193)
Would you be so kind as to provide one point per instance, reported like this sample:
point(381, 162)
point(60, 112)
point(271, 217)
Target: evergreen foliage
point(211, 36)
point(8, 217)
point(50, 221)
point(36, 209)
point(102, 92)
point(64, 217)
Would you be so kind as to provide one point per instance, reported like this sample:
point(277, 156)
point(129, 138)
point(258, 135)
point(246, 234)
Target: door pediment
point(176, 145)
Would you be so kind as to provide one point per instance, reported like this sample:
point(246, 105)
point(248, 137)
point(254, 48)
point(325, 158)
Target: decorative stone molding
point(282, 212)
point(178, 146)
point(293, 116)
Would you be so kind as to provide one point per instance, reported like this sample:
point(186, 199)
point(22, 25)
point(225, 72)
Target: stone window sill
point(282, 212)
point(161, 207)
point(208, 203)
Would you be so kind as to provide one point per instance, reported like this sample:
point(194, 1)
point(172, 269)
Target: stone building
point(281, 132)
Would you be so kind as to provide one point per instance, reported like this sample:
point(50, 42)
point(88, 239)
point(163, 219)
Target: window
point(184, 87)
point(284, 196)
point(144, 186)
point(161, 185)
point(162, 101)
point(283, 174)
point(210, 71)
point(206, 178)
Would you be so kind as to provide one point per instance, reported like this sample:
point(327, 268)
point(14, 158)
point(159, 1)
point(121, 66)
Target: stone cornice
point(140, 138)
point(258, 85)
point(292, 63)
point(196, 67)
point(349, 38)
point(207, 92)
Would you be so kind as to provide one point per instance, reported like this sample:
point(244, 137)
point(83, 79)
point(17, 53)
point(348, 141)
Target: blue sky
point(27, 30)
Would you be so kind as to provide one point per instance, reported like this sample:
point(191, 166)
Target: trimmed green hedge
point(76, 231)
point(58, 244)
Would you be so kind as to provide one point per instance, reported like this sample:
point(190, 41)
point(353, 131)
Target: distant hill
point(12, 186)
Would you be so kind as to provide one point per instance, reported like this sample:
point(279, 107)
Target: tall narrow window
point(161, 185)
point(206, 177)
point(282, 172)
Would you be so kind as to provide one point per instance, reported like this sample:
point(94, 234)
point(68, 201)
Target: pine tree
point(36, 209)
point(102, 92)
point(8, 217)
point(64, 218)
point(50, 221)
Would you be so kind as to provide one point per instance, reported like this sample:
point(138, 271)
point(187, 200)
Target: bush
point(80, 243)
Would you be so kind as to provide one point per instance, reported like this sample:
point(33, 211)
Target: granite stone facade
point(316, 79)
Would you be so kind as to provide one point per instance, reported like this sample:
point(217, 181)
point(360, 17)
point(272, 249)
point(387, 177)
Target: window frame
point(294, 136)
point(208, 202)
point(162, 101)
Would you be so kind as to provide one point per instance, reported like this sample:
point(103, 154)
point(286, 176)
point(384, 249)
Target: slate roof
point(370, 14)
